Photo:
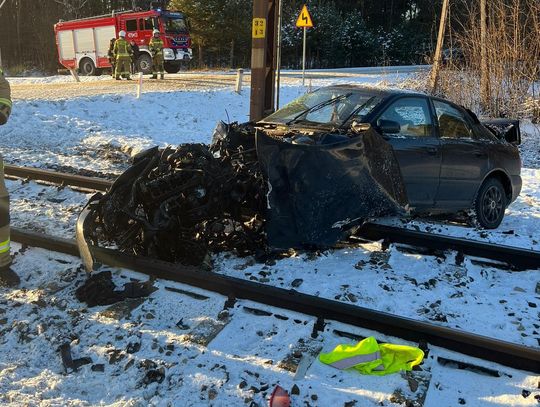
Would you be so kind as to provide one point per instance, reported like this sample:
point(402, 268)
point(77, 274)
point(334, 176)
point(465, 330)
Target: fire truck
point(83, 44)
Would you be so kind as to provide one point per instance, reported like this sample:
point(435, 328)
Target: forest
point(346, 32)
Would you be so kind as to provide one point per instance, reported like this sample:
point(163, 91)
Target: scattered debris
point(99, 289)
point(69, 363)
point(280, 397)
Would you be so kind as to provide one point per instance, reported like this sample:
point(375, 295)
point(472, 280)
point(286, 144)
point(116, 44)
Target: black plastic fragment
point(318, 192)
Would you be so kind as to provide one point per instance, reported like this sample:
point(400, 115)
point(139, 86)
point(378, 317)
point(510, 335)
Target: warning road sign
point(304, 19)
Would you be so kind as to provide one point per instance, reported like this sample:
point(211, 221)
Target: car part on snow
point(69, 363)
point(321, 187)
point(99, 289)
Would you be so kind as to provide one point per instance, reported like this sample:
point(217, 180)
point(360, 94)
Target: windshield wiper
point(344, 122)
point(318, 107)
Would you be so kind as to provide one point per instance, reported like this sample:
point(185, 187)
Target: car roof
point(370, 90)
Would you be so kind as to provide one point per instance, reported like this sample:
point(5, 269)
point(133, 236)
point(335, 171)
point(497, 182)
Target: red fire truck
point(84, 43)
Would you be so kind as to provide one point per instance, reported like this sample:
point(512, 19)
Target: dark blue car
point(448, 160)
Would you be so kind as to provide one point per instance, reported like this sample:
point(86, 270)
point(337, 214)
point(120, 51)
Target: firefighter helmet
point(156, 32)
point(122, 34)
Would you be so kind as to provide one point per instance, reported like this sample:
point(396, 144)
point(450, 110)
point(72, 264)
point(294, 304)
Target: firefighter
point(7, 277)
point(134, 56)
point(156, 48)
point(110, 54)
point(122, 52)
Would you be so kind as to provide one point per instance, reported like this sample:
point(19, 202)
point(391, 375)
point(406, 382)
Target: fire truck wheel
point(144, 63)
point(172, 68)
point(87, 67)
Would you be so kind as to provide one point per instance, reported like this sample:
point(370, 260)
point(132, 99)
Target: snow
point(100, 133)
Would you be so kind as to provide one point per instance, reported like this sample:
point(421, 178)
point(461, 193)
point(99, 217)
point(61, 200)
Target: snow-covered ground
point(160, 352)
point(99, 133)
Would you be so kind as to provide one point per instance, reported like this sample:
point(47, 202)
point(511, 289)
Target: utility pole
point(484, 77)
point(435, 69)
point(263, 58)
point(278, 58)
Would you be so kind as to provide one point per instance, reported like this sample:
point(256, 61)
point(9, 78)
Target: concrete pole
point(435, 69)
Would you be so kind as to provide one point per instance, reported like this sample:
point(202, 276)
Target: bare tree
point(500, 64)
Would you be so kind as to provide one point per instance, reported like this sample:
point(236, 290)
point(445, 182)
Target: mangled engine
point(179, 204)
point(250, 191)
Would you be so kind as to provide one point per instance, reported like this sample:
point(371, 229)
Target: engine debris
point(248, 193)
point(180, 204)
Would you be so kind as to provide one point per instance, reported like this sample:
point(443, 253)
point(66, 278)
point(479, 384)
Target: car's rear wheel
point(490, 204)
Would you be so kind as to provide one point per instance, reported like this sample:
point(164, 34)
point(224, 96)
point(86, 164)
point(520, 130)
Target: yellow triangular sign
point(304, 19)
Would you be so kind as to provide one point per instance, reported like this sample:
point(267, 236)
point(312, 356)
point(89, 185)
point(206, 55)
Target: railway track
point(517, 258)
point(505, 353)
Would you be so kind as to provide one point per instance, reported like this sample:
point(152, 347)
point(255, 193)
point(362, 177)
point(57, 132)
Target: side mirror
point(388, 126)
point(360, 127)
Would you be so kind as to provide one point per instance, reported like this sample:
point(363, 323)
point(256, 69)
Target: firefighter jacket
point(122, 48)
point(5, 99)
point(156, 46)
point(370, 358)
point(110, 53)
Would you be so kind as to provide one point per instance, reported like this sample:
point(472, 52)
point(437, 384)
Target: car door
point(416, 146)
point(464, 157)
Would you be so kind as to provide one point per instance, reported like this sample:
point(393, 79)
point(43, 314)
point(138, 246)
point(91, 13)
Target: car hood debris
point(247, 193)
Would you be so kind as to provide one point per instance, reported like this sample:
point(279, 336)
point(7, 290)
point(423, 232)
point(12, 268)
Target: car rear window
point(452, 122)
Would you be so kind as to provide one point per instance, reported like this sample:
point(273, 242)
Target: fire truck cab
point(84, 43)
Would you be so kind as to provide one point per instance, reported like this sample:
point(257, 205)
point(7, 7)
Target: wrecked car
point(306, 177)
point(343, 153)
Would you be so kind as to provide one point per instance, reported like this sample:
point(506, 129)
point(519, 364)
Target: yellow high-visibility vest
point(368, 357)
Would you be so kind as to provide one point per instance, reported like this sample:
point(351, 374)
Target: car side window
point(452, 122)
point(411, 114)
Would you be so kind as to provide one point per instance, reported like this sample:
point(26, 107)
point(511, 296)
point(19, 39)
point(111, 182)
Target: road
point(64, 87)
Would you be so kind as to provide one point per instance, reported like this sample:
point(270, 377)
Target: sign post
point(304, 21)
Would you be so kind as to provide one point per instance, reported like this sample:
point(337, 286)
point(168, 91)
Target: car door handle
point(432, 150)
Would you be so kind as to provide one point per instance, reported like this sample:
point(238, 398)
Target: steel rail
point(38, 174)
point(520, 259)
point(505, 353)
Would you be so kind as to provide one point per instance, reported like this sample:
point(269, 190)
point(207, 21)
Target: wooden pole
point(438, 51)
point(278, 52)
point(263, 59)
point(484, 76)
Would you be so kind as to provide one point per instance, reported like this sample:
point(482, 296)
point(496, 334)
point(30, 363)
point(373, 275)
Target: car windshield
point(175, 26)
point(326, 106)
